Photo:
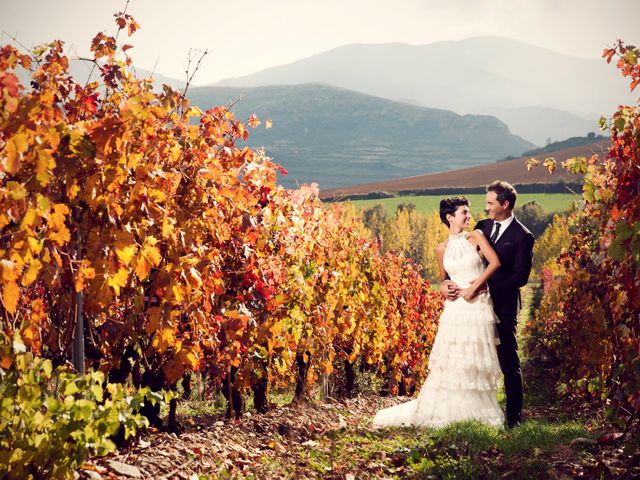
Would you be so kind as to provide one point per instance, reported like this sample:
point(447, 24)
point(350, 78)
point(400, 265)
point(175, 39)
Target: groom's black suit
point(515, 251)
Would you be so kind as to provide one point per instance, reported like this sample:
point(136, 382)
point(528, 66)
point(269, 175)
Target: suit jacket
point(515, 251)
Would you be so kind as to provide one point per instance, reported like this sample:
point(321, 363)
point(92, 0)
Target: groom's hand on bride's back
point(449, 290)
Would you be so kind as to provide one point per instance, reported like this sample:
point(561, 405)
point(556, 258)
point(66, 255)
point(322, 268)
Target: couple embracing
point(476, 341)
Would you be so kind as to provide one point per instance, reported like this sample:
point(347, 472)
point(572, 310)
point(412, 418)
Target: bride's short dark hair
point(448, 206)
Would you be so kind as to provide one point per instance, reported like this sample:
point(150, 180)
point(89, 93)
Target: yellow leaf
point(176, 151)
point(167, 336)
point(118, 280)
point(59, 237)
point(167, 227)
point(84, 273)
point(72, 191)
point(58, 231)
point(29, 218)
point(133, 159)
point(125, 247)
point(45, 164)
point(32, 272)
point(154, 314)
point(16, 190)
point(13, 152)
point(10, 270)
point(35, 245)
point(142, 268)
point(189, 358)
point(177, 292)
point(44, 204)
point(194, 277)
point(149, 257)
point(10, 294)
point(193, 112)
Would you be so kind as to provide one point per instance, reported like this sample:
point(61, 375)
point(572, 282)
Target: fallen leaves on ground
point(334, 440)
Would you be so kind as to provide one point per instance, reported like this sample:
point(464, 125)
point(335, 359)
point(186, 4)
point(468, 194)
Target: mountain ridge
point(466, 76)
point(335, 136)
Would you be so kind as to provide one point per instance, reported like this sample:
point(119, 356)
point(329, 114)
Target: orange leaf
point(84, 273)
point(44, 165)
point(32, 272)
point(14, 148)
point(10, 294)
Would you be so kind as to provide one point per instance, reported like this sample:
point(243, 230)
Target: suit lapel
point(508, 233)
point(488, 227)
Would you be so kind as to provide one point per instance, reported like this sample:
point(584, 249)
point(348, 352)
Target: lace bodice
point(461, 260)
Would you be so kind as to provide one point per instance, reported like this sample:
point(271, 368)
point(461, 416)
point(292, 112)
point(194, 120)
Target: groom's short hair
point(504, 192)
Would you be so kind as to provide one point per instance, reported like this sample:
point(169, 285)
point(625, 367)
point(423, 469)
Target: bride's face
point(461, 219)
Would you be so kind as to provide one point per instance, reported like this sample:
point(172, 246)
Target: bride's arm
point(439, 256)
point(478, 239)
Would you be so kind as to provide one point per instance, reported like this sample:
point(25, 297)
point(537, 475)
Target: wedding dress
point(463, 366)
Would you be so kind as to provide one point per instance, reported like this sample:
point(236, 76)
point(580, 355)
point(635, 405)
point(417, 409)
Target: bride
point(463, 366)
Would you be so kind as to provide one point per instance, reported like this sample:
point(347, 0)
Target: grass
point(467, 449)
point(550, 202)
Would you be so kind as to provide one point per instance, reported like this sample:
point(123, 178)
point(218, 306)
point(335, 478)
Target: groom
point(514, 245)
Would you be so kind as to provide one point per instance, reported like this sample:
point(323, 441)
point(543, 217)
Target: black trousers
point(510, 365)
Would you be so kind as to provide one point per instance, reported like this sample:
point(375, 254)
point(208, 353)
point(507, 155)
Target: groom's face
point(494, 209)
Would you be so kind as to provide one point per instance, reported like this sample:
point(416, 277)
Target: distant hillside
point(475, 75)
point(542, 125)
point(475, 178)
point(83, 72)
point(338, 137)
point(564, 144)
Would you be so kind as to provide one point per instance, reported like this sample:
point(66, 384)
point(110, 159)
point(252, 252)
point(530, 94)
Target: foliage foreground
point(143, 232)
point(334, 440)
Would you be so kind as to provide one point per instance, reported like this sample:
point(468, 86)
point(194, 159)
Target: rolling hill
point(475, 75)
point(513, 171)
point(338, 137)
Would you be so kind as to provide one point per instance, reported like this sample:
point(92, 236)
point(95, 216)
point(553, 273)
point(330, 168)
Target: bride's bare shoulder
point(441, 246)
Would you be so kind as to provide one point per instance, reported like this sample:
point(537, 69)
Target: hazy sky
point(250, 35)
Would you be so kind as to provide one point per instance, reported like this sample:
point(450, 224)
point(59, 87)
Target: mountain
point(80, 71)
point(476, 178)
point(473, 75)
point(565, 144)
point(83, 72)
point(542, 125)
point(338, 137)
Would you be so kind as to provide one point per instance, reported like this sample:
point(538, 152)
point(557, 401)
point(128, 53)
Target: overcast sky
point(246, 36)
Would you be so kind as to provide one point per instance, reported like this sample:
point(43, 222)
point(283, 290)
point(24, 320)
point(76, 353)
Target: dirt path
point(334, 440)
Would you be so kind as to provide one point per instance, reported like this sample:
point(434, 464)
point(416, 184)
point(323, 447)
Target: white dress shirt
point(503, 226)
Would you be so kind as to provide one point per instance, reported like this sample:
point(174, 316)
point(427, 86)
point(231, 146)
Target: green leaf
point(97, 392)
point(47, 367)
point(617, 251)
point(623, 231)
point(70, 389)
point(83, 408)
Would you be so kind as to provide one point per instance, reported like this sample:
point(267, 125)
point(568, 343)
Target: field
point(513, 171)
point(550, 202)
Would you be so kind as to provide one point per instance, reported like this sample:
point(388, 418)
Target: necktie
point(494, 236)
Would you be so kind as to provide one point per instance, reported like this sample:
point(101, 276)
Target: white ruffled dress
point(464, 372)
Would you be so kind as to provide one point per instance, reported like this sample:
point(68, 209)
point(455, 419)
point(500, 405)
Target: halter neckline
point(457, 236)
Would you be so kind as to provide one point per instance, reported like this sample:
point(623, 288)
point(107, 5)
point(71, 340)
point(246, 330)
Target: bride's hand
point(468, 293)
